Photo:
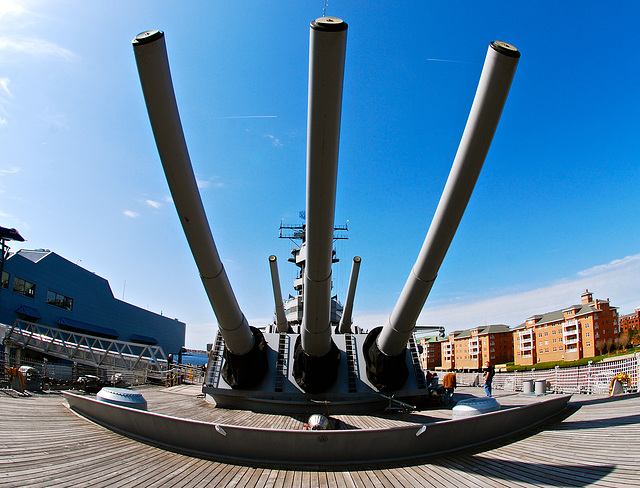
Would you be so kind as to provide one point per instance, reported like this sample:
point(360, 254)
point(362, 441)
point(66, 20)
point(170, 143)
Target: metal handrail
point(86, 349)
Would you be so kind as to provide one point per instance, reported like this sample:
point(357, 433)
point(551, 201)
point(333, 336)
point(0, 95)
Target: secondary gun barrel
point(155, 77)
point(281, 319)
point(328, 39)
point(346, 319)
point(491, 95)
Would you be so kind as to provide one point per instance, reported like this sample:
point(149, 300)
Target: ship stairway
point(415, 359)
point(352, 362)
point(215, 362)
point(281, 363)
point(84, 349)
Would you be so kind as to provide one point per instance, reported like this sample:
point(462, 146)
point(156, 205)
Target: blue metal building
point(41, 286)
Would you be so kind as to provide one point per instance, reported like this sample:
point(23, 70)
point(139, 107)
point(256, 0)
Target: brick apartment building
point(431, 356)
point(568, 334)
point(470, 349)
point(630, 321)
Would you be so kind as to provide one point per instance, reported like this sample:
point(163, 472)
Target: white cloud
point(34, 47)
point(131, 214)
point(10, 9)
point(274, 140)
point(613, 265)
point(4, 86)
point(5, 93)
point(618, 280)
point(153, 203)
point(210, 183)
point(7, 171)
point(202, 184)
point(14, 17)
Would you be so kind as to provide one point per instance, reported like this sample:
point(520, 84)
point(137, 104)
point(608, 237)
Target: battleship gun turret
point(245, 355)
point(315, 356)
point(386, 346)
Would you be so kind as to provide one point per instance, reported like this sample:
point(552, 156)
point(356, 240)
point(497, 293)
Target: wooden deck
point(43, 443)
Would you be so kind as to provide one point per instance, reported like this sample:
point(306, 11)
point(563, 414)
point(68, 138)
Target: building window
point(59, 300)
point(587, 334)
point(24, 287)
point(5, 280)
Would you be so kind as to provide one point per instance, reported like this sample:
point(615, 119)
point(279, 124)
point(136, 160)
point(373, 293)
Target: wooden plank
point(44, 444)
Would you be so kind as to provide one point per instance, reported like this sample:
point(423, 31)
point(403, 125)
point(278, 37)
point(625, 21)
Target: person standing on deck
point(489, 372)
point(449, 384)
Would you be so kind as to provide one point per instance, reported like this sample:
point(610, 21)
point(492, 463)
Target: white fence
point(593, 378)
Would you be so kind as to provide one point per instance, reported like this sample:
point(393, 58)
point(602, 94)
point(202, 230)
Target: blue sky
point(555, 210)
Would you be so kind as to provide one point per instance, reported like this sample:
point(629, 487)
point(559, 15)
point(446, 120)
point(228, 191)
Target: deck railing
point(66, 372)
point(592, 378)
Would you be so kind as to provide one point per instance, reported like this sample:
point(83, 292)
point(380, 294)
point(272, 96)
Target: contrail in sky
point(248, 117)
point(448, 61)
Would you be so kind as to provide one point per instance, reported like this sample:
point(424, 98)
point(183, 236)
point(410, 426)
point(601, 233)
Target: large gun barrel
point(155, 77)
point(491, 95)
point(327, 48)
point(347, 312)
point(281, 319)
point(316, 357)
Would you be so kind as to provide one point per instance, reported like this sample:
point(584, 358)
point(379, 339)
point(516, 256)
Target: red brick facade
point(567, 335)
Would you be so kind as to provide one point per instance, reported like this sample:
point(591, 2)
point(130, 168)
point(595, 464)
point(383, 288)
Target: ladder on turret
point(215, 364)
point(415, 359)
point(352, 364)
point(281, 362)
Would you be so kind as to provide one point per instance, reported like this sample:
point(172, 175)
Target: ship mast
point(296, 233)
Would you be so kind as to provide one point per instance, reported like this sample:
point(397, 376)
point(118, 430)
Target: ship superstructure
point(294, 305)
